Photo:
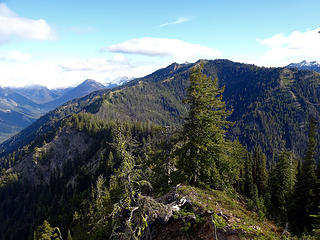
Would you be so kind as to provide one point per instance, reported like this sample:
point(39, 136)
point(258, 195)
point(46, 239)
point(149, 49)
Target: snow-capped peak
point(304, 65)
point(118, 81)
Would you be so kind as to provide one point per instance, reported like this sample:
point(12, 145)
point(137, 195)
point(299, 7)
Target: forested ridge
point(96, 168)
point(271, 105)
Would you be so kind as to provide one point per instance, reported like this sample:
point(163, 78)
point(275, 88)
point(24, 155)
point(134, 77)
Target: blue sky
point(61, 43)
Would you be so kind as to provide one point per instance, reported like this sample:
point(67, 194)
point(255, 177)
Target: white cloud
point(15, 56)
point(118, 61)
point(177, 21)
point(106, 70)
point(13, 26)
point(63, 73)
point(297, 46)
point(179, 50)
point(19, 69)
point(5, 11)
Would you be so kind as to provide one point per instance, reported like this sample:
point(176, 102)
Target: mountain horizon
point(19, 107)
point(119, 80)
point(182, 70)
point(305, 65)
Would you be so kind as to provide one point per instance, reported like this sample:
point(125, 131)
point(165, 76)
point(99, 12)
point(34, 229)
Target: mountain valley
point(19, 107)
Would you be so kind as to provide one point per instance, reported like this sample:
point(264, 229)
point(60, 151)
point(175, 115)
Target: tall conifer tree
point(305, 202)
point(259, 171)
point(282, 182)
point(202, 157)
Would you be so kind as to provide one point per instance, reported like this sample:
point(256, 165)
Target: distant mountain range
point(16, 112)
point(37, 93)
point(88, 86)
point(304, 65)
point(19, 107)
point(271, 105)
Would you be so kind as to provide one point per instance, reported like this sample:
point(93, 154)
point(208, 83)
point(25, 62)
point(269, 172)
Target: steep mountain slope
point(44, 128)
point(81, 90)
point(16, 112)
point(48, 165)
point(271, 105)
point(19, 107)
point(55, 181)
point(151, 100)
point(60, 91)
point(55, 178)
point(37, 93)
point(304, 65)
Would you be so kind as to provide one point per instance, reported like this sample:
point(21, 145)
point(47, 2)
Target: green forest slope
point(271, 105)
point(100, 165)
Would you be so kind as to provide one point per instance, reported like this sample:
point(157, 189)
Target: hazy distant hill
point(16, 112)
point(304, 65)
point(37, 93)
point(19, 107)
point(60, 91)
point(81, 90)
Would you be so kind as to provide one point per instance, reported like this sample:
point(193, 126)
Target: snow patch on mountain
point(304, 65)
point(118, 81)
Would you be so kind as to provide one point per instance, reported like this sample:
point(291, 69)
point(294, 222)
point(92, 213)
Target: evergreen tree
point(309, 163)
point(248, 179)
point(110, 163)
point(203, 155)
point(43, 232)
point(316, 224)
point(46, 232)
point(161, 158)
point(99, 209)
point(238, 159)
point(128, 217)
point(259, 171)
point(305, 201)
point(316, 217)
point(281, 185)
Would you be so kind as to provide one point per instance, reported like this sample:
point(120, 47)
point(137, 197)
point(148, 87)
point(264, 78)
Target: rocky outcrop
point(185, 220)
point(53, 158)
point(188, 227)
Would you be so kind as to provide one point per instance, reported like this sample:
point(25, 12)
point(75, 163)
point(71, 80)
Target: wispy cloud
point(96, 64)
point(14, 56)
point(177, 21)
point(296, 46)
point(164, 47)
point(15, 71)
point(13, 26)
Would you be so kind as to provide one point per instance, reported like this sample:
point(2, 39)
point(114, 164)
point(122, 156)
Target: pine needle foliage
point(128, 222)
point(203, 152)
